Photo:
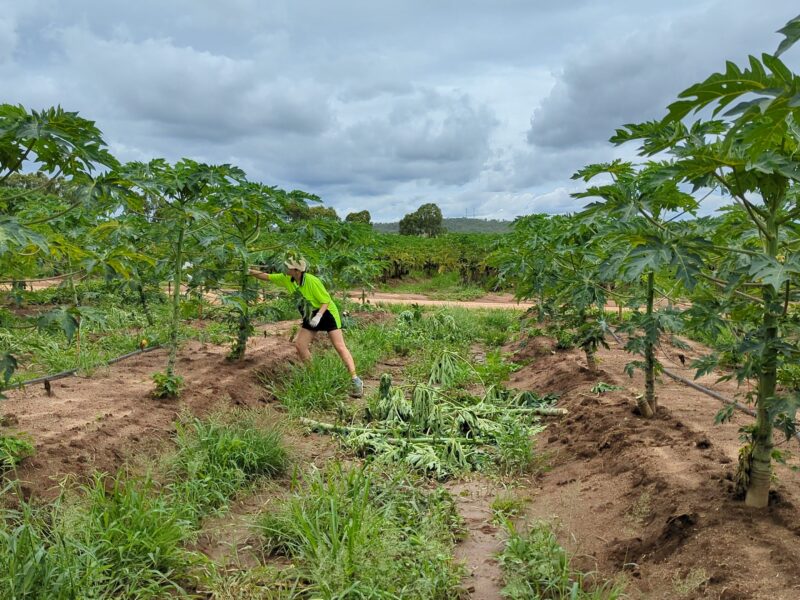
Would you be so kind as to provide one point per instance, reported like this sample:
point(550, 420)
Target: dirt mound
point(530, 348)
point(99, 423)
point(556, 371)
point(655, 498)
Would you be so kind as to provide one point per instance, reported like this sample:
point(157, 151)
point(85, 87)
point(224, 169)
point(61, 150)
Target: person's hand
point(315, 321)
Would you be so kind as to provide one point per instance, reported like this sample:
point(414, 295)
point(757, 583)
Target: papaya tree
point(47, 159)
point(175, 199)
point(62, 149)
point(639, 208)
point(748, 153)
point(577, 252)
point(522, 258)
point(246, 226)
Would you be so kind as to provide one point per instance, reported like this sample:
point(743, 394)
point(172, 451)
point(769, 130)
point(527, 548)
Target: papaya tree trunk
point(591, 359)
point(143, 302)
point(760, 463)
point(73, 290)
point(649, 350)
point(176, 302)
point(541, 307)
point(243, 331)
point(76, 302)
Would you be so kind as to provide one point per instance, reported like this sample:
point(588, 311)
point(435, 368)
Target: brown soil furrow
point(654, 498)
point(100, 422)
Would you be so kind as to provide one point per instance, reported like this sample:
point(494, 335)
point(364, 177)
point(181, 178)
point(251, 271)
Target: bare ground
point(501, 301)
point(654, 500)
point(100, 422)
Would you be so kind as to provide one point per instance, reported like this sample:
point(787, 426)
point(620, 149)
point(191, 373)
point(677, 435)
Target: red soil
point(654, 498)
point(103, 421)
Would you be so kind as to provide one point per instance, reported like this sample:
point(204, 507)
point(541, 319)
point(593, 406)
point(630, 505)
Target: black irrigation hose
point(71, 372)
point(709, 392)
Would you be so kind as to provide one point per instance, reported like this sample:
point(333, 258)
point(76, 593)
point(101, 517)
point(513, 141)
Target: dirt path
point(491, 301)
point(478, 550)
point(499, 301)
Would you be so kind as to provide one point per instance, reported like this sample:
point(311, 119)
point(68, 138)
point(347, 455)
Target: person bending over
point(324, 315)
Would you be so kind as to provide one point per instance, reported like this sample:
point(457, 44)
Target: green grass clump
point(359, 534)
point(318, 385)
point(323, 383)
point(507, 506)
point(515, 448)
point(122, 537)
point(119, 541)
point(12, 450)
point(137, 536)
point(536, 566)
point(216, 459)
point(498, 326)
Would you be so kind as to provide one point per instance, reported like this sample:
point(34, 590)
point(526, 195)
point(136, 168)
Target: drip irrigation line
point(709, 392)
point(64, 374)
point(704, 389)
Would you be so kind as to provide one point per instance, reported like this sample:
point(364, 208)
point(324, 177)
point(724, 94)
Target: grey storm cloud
point(633, 76)
point(195, 93)
point(484, 107)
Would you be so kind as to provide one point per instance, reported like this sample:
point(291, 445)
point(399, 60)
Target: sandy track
point(497, 301)
point(490, 301)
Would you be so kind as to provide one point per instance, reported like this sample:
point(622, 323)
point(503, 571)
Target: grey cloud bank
point(484, 107)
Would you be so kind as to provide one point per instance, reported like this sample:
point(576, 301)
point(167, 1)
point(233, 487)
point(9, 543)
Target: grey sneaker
point(357, 389)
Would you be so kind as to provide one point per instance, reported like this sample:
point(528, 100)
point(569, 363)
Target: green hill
point(457, 225)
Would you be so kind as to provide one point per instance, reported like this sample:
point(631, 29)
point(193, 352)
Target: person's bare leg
point(337, 339)
point(302, 344)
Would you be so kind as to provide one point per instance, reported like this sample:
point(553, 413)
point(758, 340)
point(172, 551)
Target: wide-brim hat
point(298, 264)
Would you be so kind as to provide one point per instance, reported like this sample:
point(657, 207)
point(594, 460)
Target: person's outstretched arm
point(279, 278)
point(258, 274)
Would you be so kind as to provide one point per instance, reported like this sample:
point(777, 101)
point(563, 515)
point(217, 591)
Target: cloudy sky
point(484, 107)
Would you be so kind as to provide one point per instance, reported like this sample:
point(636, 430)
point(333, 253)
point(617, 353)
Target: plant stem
point(760, 466)
point(176, 299)
point(243, 332)
point(649, 350)
point(143, 302)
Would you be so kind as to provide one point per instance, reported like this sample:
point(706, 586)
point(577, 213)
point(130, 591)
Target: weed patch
point(507, 506)
point(536, 566)
point(365, 534)
point(216, 459)
point(12, 450)
point(122, 537)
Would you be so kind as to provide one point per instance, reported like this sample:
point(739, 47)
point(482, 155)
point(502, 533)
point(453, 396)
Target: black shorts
point(326, 323)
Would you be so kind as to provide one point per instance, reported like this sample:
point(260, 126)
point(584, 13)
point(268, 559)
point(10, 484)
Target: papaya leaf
point(791, 32)
point(62, 317)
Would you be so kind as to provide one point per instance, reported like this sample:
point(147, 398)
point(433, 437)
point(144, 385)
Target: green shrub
point(13, 450)
point(167, 386)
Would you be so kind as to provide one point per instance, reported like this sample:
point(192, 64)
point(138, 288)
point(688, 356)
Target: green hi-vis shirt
point(312, 290)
